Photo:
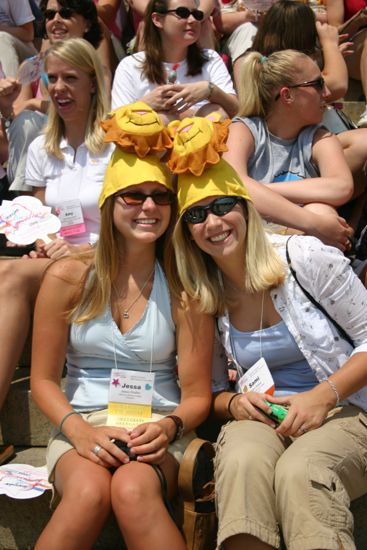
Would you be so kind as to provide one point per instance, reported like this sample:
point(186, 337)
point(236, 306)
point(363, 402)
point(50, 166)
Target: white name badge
point(130, 398)
point(257, 378)
point(71, 216)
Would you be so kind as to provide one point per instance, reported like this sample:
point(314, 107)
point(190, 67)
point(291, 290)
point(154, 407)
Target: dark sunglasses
point(219, 207)
point(135, 198)
point(65, 13)
point(184, 13)
point(318, 83)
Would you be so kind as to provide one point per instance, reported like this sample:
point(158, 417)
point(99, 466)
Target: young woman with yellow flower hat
point(122, 332)
point(298, 475)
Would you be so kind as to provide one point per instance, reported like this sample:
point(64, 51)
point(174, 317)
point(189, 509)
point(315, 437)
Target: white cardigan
point(328, 277)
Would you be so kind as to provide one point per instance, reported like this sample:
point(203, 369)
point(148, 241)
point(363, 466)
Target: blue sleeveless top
point(149, 346)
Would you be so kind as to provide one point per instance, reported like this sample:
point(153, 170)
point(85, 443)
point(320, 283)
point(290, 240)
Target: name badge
point(130, 398)
point(257, 378)
point(71, 216)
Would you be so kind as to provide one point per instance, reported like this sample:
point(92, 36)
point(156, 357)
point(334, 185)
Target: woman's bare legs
point(84, 507)
point(19, 284)
point(137, 502)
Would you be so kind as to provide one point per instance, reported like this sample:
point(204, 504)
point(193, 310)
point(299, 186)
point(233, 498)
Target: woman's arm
point(335, 70)
point(272, 206)
point(50, 338)
point(194, 339)
point(25, 32)
point(335, 12)
point(335, 184)
point(326, 273)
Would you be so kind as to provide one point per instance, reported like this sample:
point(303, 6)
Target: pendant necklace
point(125, 311)
point(172, 74)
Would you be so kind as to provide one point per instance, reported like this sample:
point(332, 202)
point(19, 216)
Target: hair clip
point(262, 59)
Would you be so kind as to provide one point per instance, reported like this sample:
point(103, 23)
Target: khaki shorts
point(305, 486)
point(58, 444)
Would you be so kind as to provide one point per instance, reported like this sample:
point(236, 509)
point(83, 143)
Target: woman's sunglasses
point(318, 83)
point(135, 198)
point(64, 13)
point(184, 13)
point(219, 207)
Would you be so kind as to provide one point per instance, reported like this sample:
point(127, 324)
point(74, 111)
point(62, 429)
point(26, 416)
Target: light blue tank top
point(289, 368)
point(150, 344)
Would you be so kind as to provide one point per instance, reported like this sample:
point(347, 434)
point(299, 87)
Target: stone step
point(21, 422)
point(22, 521)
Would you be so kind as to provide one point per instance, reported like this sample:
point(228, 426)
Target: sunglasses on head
point(64, 13)
point(135, 198)
point(219, 207)
point(318, 83)
point(184, 13)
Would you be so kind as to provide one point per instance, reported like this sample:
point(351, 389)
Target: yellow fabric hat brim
point(125, 169)
point(218, 180)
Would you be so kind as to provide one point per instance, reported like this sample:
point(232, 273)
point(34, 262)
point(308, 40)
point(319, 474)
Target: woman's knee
point(21, 276)
point(90, 495)
point(132, 487)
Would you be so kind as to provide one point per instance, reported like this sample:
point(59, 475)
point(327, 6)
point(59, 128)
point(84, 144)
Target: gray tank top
point(275, 159)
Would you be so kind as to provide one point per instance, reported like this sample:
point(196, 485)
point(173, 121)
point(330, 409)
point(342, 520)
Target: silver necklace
point(125, 311)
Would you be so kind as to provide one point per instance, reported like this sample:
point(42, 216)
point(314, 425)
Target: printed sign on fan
point(25, 219)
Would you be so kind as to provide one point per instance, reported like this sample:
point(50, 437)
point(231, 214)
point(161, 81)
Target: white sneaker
point(362, 123)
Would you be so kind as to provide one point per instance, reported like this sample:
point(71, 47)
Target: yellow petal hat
point(137, 129)
point(140, 139)
point(198, 144)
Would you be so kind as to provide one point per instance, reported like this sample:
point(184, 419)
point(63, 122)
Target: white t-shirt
point(129, 85)
point(15, 13)
point(78, 176)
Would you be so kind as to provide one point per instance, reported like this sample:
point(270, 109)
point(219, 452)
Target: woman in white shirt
point(174, 75)
point(66, 164)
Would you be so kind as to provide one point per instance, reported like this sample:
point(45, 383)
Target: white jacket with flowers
point(326, 274)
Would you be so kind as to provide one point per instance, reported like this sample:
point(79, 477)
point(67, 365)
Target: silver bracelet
point(333, 387)
point(65, 417)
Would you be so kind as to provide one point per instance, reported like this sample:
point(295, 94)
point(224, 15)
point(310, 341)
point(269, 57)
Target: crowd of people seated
point(216, 195)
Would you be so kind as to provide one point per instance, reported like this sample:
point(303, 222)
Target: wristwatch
point(210, 89)
point(179, 426)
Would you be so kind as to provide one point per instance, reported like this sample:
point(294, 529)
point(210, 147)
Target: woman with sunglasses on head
point(65, 168)
point(116, 312)
point(276, 144)
point(174, 75)
point(298, 475)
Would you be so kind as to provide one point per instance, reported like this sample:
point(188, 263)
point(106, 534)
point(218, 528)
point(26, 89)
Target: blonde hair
point(262, 77)
point(81, 54)
point(196, 272)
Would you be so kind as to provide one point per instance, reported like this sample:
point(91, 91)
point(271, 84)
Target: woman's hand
point(330, 229)
point(327, 33)
point(158, 98)
point(245, 406)
point(88, 438)
point(149, 442)
point(185, 96)
point(307, 411)
point(9, 91)
point(56, 249)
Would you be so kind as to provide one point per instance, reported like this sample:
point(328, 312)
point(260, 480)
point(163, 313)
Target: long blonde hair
point(196, 272)
point(262, 77)
point(81, 54)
